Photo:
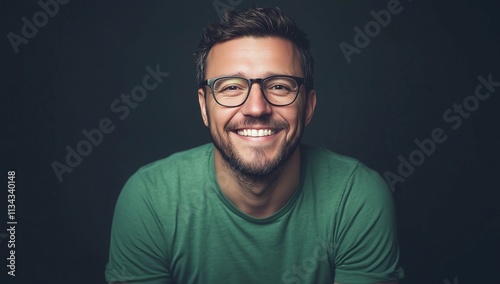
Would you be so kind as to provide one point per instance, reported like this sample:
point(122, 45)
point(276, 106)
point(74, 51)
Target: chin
point(259, 161)
point(255, 162)
point(258, 164)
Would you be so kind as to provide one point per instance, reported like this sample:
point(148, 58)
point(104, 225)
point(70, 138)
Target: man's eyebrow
point(237, 74)
point(240, 74)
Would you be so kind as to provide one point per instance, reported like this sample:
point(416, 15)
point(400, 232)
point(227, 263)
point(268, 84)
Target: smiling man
point(256, 205)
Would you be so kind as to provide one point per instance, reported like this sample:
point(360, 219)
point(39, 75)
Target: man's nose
point(256, 104)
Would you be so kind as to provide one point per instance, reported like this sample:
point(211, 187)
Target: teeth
point(255, 132)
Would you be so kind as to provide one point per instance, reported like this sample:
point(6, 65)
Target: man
point(255, 206)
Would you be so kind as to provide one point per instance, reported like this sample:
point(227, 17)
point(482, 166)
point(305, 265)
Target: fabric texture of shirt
point(172, 224)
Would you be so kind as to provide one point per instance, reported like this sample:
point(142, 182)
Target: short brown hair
point(254, 22)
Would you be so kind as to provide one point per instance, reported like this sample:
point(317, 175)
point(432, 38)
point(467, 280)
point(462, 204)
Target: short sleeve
point(137, 247)
point(365, 237)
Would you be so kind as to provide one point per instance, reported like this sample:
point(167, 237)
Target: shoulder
point(343, 175)
point(171, 173)
point(191, 158)
point(324, 162)
point(319, 155)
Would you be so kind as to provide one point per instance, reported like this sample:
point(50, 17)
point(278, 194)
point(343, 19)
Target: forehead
point(254, 57)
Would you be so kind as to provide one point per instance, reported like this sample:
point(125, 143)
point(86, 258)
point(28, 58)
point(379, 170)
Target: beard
point(258, 169)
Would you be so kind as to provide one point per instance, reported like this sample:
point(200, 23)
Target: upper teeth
point(255, 132)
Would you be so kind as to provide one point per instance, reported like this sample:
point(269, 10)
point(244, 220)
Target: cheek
point(293, 125)
point(295, 117)
point(218, 118)
point(301, 114)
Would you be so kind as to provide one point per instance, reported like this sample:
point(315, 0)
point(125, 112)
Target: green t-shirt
point(172, 224)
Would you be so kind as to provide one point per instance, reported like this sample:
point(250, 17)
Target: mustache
point(249, 122)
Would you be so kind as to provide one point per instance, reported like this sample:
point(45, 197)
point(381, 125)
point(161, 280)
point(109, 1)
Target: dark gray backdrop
point(64, 78)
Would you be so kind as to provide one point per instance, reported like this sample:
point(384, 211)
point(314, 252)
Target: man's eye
point(280, 87)
point(230, 88)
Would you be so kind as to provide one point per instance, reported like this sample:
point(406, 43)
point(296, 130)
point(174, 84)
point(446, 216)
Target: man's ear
point(202, 102)
point(310, 105)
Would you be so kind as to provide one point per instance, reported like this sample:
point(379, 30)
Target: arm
point(367, 248)
point(138, 251)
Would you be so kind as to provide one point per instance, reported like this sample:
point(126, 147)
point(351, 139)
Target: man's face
point(282, 126)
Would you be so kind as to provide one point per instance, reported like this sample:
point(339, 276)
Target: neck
point(259, 197)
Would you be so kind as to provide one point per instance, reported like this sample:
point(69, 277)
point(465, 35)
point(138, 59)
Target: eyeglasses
point(232, 91)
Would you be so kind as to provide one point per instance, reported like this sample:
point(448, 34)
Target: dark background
point(393, 92)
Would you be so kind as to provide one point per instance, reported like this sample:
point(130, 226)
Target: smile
point(256, 132)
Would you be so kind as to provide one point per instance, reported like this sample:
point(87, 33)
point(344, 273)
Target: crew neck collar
point(274, 217)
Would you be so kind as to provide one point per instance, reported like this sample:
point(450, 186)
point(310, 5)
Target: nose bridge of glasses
point(260, 87)
point(256, 81)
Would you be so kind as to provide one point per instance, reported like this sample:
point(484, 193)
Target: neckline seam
point(286, 209)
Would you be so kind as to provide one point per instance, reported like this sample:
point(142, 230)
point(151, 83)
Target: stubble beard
point(258, 171)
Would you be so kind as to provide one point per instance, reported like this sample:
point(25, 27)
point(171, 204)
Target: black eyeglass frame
point(210, 83)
